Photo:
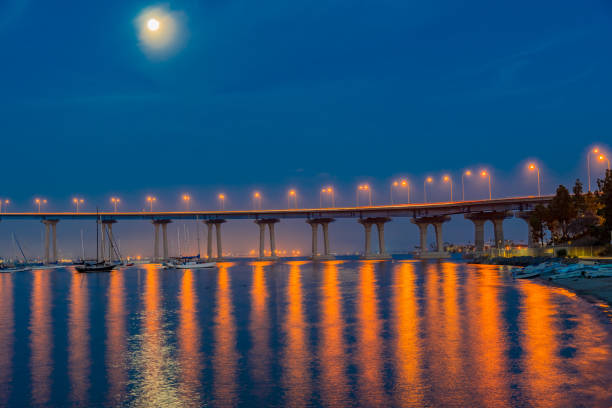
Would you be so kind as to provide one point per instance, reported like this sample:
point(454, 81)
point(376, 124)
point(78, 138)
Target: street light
point(39, 202)
point(483, 174)
point(593, 151)
point(6, 203)
point(292, 195)
point(257, 200)
point(533, 167)
point(222, 201)
point(187, 200)
point(330, 191)
point(427, 180)
point(77, 202)
point(401, 184)
point(366, 188)
point(151, 200)
point(602, 158)
point(466, 173)
point(115, 201)
point(448, 179)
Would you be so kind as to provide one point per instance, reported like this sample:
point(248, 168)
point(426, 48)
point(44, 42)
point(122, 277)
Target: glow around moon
point(160, 31)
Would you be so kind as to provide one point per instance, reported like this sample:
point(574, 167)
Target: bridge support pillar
point(164, 228)
point(380, 226)
point(526, 216)
point(324, 223)
point(479, 220)
point(217, 224)
point(107, 235)
point(498, 232)
point(262, 238)
point(50, 235)
point(156, 242)
point(423, 223)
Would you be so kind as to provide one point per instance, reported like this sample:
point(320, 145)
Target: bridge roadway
point(422, 214)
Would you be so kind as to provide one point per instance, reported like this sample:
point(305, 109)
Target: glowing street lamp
point(400, 184)
point(427, 180)
point(257, 200)
point(187, 201)
point(604, 158)
point(222, 201)
point(330, 192)
point(77, 202)
point(533, 167)
point(292, 196)
point(484, 174)
point(448, 179)
point(467, 173)
point(366, 188)
point(39, 202)
point(115, 201)
point(594, 151)
point(151, 200)
point(6, 204)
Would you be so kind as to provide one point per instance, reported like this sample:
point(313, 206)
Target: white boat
point(528, 274)
point(189, 265)
point(10, 270)
point(42, 267)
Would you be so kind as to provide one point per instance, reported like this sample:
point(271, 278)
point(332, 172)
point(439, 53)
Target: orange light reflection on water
point(369, 340)
point(153, 359)
point(189, 342)
point(487, 342)
point(332, 354)
point(225, 358)
point(41, 343)
point(541, 377)
point(259, 327)
point(116, 338)
point(408, 348)
point(79, 359)
point(296, 358)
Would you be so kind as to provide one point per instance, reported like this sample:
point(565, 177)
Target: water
point(352, 333)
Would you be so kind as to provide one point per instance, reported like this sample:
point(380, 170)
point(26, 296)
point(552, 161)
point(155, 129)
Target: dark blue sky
point(297, 93)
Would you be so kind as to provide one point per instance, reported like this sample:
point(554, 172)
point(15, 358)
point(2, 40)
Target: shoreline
point(594, 290)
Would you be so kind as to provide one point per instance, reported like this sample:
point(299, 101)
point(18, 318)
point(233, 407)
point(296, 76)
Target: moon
point(153, 24)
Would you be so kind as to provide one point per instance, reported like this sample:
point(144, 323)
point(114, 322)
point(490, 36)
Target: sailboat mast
point(198, 233)
point(98, 236)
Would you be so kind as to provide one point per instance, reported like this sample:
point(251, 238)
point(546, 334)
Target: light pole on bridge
point(535, 168)
point(466, 173)
point(483, 174)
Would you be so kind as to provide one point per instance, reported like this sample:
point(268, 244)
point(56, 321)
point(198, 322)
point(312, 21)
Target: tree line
point(579, 218)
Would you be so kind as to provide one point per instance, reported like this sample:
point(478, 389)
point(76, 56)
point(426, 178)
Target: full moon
point(153, 24)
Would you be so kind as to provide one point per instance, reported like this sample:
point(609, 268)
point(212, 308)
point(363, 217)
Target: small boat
point(189, 265)
point(95, 267)
point(527, 275)
point(15, 269)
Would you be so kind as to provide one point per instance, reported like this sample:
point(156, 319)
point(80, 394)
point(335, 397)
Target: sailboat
point(97, 266)
point(17, 268)
point(189, 262)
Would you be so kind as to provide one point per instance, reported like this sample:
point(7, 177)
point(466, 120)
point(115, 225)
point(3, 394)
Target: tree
point(605, 201)
point(578, 198)
point(562, 212)
point(537, 221)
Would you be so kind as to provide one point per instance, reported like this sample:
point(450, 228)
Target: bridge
point(423, 215)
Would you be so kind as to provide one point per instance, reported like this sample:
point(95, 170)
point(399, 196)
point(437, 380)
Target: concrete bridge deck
point(396, 210)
